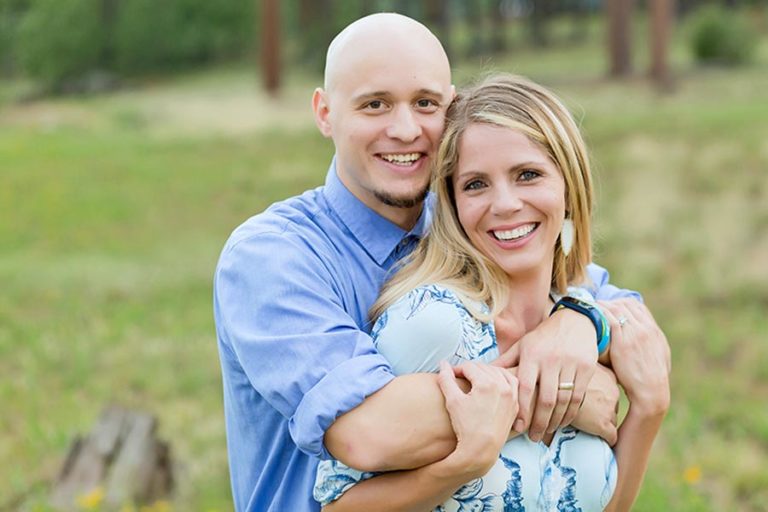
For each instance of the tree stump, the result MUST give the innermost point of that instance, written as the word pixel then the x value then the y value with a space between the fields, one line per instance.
pixel 120 462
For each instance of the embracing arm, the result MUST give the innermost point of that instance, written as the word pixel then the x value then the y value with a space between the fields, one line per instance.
pixel 563 348
pixel 641 360
pixel 481 418
pixel 404 425
pixel 632 451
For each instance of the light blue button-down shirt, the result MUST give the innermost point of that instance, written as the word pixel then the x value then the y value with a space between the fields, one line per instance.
pixel 291 296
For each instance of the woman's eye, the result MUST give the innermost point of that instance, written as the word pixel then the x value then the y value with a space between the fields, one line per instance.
pixel 473 185
pixel 528 175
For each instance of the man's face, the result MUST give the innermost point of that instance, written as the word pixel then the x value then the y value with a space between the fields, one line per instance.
pixel 385 113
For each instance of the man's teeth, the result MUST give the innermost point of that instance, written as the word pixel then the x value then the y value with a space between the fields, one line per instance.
pixel 401 159
pixel 514 234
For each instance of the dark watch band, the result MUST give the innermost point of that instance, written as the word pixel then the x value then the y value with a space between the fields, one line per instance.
pixel 592 312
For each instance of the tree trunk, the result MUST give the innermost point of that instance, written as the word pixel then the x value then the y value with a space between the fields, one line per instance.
pixel 498 28
pixel 120 463
pixel 661 13
pixel 619 36
pixel 270 45
pixel 437 14
pixel 542 11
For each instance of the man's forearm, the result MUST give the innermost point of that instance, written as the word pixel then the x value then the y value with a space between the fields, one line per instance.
pixel 633 450
pixel 404 425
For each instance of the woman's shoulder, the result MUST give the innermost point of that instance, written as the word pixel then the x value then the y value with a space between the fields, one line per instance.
pixel 421 297
pixel 421 306
pixel 429 324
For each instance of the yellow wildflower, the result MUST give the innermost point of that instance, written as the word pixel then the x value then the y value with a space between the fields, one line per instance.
pixel 692 474
pixel 92 499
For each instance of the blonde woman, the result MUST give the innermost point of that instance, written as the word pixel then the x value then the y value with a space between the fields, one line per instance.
pixel 510 237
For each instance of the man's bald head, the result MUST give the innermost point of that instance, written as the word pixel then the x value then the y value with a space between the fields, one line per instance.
pixel 388 33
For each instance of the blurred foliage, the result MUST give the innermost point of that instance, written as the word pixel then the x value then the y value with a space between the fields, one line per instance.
pixel 58 44
pixel 59 41
pixel 113 210
pixel 151 35
pixel 10 12
pixel 722 36
pixel 68 46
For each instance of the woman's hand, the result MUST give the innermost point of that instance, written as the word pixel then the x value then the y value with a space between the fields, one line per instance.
pixel 561 349
pixel 481 418
pixel 640 355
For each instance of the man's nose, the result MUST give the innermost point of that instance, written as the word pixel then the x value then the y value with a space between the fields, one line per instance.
pixel 405 125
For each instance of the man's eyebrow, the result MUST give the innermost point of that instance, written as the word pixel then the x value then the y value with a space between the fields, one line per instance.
pixel 370 96
pixel 430 92
pixel 386 94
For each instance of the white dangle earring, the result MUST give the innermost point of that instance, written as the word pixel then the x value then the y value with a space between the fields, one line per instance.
pixel 566 236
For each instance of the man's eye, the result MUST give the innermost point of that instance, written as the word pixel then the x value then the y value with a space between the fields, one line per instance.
pixel 374 105
pixel 427 104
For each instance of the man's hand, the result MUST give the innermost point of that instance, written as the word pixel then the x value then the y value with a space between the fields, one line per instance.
pixel 640 355
pixel 598 414
pixel 562 349
pixel 481 418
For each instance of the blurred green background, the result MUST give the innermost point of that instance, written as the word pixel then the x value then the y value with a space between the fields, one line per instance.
pixel 136 134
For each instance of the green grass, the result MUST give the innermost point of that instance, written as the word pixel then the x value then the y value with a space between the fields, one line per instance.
pixel 113 210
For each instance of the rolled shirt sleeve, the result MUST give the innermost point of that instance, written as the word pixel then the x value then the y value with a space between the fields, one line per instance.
pixel 282 317
pixel 602 289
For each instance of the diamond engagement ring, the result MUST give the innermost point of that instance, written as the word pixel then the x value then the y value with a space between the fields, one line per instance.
pixel 622 320
pixel 565 386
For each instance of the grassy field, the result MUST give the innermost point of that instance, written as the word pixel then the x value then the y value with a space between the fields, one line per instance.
pixel 113 210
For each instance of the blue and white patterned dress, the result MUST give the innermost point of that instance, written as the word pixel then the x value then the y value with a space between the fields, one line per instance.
pixel 575 473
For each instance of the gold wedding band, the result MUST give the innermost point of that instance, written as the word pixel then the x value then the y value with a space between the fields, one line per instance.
pixel 565 386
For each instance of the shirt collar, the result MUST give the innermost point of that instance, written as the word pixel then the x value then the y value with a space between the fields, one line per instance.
pixel 378 236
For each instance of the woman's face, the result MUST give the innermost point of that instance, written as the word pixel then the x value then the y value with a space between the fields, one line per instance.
pixel 510 198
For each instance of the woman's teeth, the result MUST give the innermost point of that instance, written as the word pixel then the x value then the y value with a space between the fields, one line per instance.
pixel 514 234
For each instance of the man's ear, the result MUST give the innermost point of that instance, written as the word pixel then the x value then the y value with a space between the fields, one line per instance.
pixel 322 110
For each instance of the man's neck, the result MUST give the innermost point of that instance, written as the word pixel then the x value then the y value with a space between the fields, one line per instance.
pixel 405 218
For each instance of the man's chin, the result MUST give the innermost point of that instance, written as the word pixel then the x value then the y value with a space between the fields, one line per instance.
pixel 402 201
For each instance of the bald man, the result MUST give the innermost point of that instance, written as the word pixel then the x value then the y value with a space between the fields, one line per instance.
pixel 294 284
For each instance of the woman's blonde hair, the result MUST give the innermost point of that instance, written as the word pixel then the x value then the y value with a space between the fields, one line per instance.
pixel 446 255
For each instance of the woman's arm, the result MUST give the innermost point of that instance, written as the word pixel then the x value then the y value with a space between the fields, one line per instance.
pixel 641 361
pixel 412 490
pixel 481 419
